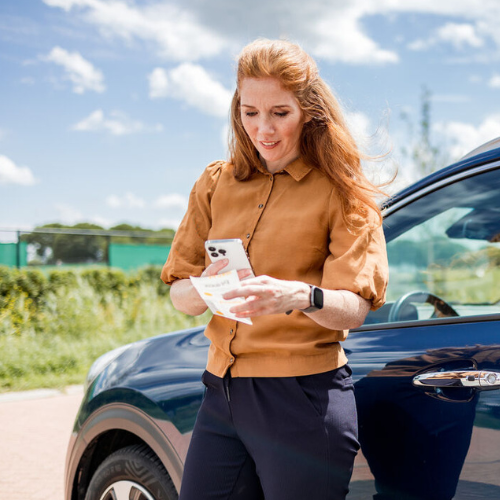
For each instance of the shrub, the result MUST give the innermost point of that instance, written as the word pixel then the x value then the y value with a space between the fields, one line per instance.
pixel 151 275
pixel 53 327
pixel 7 282
pixel 106 280
pixel 32 283
pixel 64 278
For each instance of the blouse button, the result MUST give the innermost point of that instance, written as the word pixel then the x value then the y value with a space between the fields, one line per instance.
pixel 261 205
pixel 231 360
pixel 231 331
pixel 248 235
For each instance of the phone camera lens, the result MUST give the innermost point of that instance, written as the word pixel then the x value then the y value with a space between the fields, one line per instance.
pixel 214 254
pixel 212 249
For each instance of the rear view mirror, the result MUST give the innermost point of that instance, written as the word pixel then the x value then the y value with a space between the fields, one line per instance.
pixel 477 225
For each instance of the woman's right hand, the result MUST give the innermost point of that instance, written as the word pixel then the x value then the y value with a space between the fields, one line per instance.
pixel 214 268
pixel 218 266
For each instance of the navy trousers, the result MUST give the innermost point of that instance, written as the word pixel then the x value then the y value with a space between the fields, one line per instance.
pixel 286 438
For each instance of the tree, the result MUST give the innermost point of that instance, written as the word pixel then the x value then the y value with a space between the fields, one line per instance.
pixel 422 151
pixel 74 248
pixel 71 248
pixel 68 248
pixel 161 237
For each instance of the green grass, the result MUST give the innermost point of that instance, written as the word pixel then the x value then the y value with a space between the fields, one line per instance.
pixel 52 329
pixel 54 343
pixel 463 285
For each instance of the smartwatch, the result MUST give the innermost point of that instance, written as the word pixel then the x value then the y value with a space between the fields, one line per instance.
pixel 316 300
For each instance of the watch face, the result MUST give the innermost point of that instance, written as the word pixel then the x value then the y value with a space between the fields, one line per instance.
pixel 316 300
pixel 317 297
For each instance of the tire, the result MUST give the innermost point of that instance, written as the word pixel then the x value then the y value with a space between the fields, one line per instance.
pixel 134 472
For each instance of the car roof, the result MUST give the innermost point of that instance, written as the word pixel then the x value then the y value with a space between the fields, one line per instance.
pixel 482 155
pixel 487 146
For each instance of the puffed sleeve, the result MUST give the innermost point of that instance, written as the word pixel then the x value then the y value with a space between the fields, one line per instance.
pixel 187 255
pixel 357 261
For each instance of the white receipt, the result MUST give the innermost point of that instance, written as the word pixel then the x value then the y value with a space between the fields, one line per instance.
pixel 211 289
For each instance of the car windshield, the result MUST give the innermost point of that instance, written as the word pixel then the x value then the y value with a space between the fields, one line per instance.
pixel 446 243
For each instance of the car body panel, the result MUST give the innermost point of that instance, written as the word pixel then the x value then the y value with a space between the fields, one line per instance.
pixel 417 442
pixel 159 434
pixel 425 439
pixel 140 394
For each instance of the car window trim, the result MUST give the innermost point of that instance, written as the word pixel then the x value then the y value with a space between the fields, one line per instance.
pixel 428 322
pixel 438 185
pixel 406 201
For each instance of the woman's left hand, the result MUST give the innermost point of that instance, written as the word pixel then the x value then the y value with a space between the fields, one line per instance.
pixel 266 295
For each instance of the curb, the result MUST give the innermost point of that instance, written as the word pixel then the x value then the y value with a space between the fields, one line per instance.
pixel 40 394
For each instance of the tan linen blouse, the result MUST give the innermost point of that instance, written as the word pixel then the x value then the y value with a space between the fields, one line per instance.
pixel 292 228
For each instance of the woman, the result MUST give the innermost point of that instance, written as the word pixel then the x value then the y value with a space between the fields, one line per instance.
pixel 278 420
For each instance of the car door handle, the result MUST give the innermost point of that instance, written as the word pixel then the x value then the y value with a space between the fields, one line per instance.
pixel 477 379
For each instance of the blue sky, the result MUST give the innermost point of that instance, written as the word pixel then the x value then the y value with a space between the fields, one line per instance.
pixel 110 109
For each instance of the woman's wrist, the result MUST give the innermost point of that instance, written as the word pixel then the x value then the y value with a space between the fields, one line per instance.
pixel 186 299
pixel 302 296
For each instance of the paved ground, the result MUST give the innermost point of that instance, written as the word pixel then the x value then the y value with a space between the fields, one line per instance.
pixel 35 427
pixel 34 432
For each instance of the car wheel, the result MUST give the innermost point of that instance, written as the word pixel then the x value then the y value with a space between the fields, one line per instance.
pixel 132 473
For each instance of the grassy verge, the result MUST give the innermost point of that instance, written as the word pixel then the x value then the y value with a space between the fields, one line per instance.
pixel 53 343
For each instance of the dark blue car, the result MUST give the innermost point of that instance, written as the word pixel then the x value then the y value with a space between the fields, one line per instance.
pixel 426 366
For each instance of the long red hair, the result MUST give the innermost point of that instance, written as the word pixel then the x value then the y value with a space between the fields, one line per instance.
pixel 325 143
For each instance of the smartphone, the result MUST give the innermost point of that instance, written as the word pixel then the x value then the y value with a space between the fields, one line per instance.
pixel 229 249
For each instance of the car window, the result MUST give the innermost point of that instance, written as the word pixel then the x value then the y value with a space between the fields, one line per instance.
pixel 444 253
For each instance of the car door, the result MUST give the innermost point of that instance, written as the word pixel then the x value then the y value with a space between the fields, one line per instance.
pixel 425 365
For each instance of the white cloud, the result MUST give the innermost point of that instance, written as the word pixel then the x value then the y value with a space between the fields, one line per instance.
pixel 82 73
pixel 371 139
pixel 171 201
pixel 113 201
pixel 224 137
pixel 454 98
pixel 68 214
pixel 193 85
pixel 101 221
pixel 158 83
pixel 420 44
pixel 11 228
pixel 332 30
pixel 374 142
pixel 494 81
pixel 128 200
pixel 174 206
pixel 336 35
pixel 458 35
pixel 10 173
pixel 134 201
pixel 172 223
pixel 176 32
pixel 118 123
pixel 464 137
pixel 359 126
pixel 27 80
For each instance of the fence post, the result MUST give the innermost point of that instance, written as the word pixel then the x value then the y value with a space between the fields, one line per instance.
pixel 18 250
pixel 108 240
